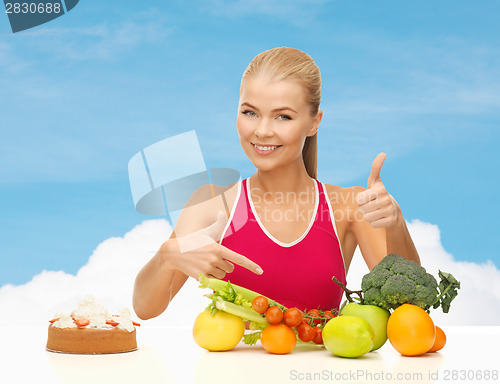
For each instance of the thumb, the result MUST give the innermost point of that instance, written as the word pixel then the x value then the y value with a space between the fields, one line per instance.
pixel 376 167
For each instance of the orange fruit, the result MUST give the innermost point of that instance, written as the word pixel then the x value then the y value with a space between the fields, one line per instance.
pixel 440 340
pixel 278 338
pixel 410 330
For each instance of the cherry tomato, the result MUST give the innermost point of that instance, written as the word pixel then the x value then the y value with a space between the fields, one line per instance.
pixel 293 317
pixel 306 332
pixel 274 315
pixel 318 337
pixel 260 304
pixel 316 318
pixel 328 315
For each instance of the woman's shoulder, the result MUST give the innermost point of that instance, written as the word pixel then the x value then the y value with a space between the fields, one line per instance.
pixel 204 205
pixel 342 196
pixel 209 194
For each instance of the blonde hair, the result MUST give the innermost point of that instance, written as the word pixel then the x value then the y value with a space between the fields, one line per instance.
pixel 285 63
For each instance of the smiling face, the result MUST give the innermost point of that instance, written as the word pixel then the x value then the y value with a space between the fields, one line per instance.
pixel 274 119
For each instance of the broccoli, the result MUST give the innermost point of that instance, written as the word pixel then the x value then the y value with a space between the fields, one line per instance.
pixel 396 280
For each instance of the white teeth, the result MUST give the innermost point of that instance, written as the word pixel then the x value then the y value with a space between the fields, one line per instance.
pixel 265 148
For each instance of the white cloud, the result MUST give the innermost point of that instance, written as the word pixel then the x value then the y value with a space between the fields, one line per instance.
pixel 108 275
pixel 110 272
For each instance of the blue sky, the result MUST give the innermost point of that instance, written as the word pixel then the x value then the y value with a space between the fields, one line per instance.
pixel 82 94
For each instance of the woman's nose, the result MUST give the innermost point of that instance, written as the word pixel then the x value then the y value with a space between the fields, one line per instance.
pixel 264 128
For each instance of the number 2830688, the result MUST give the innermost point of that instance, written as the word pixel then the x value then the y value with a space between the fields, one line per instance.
pixel 33 8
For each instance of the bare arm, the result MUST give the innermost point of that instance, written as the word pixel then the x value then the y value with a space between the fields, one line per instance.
pixel 156 284
pixel 377 242
pixel 377 224
pixel 160 279
pixel 399 240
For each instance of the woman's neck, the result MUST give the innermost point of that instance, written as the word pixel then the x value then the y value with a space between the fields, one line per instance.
pixel 293 179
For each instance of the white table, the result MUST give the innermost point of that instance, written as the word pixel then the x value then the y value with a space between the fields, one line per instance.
pixel 169 355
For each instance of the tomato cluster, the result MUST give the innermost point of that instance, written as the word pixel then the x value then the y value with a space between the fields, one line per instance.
pixel 311 326
pixel 307 326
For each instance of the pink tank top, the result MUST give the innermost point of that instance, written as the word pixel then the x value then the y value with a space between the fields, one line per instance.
pixel 297 274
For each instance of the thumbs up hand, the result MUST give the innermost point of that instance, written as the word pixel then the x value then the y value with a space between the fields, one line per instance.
pixel 377 206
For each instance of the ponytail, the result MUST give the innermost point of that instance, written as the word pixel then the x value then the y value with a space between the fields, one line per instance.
pixel 310 155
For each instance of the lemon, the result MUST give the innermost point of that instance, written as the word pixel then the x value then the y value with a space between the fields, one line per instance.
pixel 219 332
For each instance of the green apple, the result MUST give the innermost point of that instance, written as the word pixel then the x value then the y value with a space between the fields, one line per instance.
pixel 348 336
pixel 376 316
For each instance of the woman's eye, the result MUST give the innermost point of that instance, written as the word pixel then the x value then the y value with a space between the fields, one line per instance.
pixel 249 113
pixel 284 117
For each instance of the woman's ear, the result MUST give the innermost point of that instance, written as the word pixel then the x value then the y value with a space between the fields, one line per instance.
pixel 316 123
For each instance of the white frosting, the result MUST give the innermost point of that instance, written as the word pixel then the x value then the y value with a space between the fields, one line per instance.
pixel 89 309
pixel 125 320
pixel 65 321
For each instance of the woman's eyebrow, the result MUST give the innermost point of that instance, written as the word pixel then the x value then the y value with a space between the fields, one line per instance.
pixel 284 109
pixel 245 104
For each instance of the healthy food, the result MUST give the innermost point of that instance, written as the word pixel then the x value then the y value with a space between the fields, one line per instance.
pixel 305 332
pixel 260 304
pixel 377 317
pixel 318 335
pixel 411 330
pixel 267 318
pixel 393 304
pixel 274 315
pixel 403 287
pixel 348 336
pixel 220 331
pixel 440 341
pixel 293 317
pixel 395 281
pixel 278 339
pixel 234 299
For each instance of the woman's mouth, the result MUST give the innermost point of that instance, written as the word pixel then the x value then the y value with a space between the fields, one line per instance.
pixel 265 149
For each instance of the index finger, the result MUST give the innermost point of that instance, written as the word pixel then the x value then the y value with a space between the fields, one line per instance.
pixel 366 196
pixel 241 260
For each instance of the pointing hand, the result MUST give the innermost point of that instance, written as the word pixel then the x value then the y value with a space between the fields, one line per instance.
pixel 200 251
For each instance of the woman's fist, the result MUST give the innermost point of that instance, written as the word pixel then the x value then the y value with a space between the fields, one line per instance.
pixel 377 206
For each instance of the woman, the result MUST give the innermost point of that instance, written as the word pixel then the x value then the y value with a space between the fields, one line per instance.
pixel 280 232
